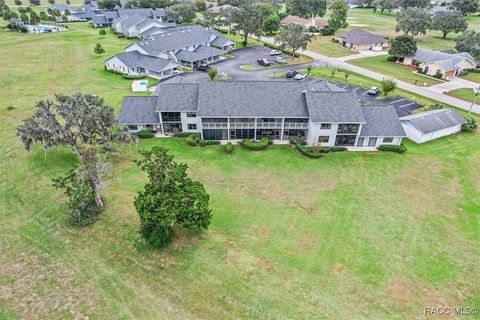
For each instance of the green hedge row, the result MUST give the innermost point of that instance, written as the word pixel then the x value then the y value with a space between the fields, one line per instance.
pixel 252 145
pixel 392 148
pixel 300 146
pixel 144 134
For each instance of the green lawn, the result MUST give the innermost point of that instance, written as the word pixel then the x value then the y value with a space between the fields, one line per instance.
pixel 466 94
pixel 381 65
pixel 348 236
pixel 324 45
pixel 472 76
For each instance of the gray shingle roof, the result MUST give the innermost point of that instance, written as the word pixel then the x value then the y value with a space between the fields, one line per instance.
pixel 178 97
pixel 435 120
pixel 179 39
pixel 138 110
pixel 359 37
pixel 134 59
pixel 329 106
pixel 446 61
pixel 252 99
pixel 200 53
pixel 222 42
pixel 132 20
pixel 381 122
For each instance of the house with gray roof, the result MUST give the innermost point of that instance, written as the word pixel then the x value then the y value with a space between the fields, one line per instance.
pixel 133 25
pixel 431 125
pixel 106 18
pixel 362 40
pixel 191 45
pixel 317 112
pixel 443 64
pixel 133 63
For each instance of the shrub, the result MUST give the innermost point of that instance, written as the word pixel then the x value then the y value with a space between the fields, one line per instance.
pixel 392 148
pixel 313 29
pixel 470 126
pixel 434 106
pixel 120 35
pixel 228 148
pixel 144 134
pixel 338 149
pixel 438 75
pixel 132 77
pixel 252 145
pixel 392 59
pixel 23 29
pixel 179 134
pixel 191 140
pixel 327 31
pixel 212 142
pixel 309 152
pixel 203 143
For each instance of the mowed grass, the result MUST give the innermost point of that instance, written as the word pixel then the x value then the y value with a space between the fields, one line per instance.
pixel 381 65
pixel 324 45
pixel 352 235
pixel 472 76
pixel 466 94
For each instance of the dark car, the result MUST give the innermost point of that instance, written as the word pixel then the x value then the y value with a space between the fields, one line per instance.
pixel 263 62
pixel 203 68
pixel 291 74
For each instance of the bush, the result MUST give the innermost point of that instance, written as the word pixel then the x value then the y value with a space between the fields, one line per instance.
pixel 179 134
pixel 438 75
pixel 327 31
pixel 392 148
pixel 338 149
pixel 252 145
pixel 228 148
pixel 470 126
pixel 392 59
pixel 434 106
pixel 313 29
pixel 203 143
pixel 144 134
pixel 191 140
pixel 212 142
pixel 309 152
pixel 23 29
pixel 120 35
pixel 132 77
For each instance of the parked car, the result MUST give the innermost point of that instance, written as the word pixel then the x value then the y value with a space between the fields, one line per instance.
pixel 275 52
pixel 291 74
pixel 280 60
pixel 203 67
pixel 263 62
pixel 373 91
pixel 300 76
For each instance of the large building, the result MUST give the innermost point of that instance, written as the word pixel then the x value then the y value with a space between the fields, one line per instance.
pixel 318 112
pixel 106 18
pixel 191 46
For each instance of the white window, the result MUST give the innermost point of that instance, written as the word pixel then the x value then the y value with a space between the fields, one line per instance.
pixel 325 126
pixel 388 140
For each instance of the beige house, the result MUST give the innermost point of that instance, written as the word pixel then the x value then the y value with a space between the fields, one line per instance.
pixel 359 40
pixel 306 23
pixel 439 63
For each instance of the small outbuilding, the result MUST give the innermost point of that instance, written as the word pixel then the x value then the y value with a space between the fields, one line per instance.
pixel 431 125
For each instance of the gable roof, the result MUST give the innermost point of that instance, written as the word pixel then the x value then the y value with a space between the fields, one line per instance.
pixel 434 120
pixel 200 53
pixel 447 61
pixel 295 20
pixel 359 37
pixel 381 122
pixel 138 109
pixel 134 59
pixel 133 20
pixel 177 97
pixel 178 39
pixel 222 42
pixel 333 106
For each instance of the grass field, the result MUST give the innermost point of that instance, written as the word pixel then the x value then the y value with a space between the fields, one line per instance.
pixel 472 76
pixel 466 94
pixel 381 65
pixel 352 235
pixel 324 45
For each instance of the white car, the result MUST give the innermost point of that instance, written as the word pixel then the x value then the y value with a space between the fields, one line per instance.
pixel 300 76
pixel 373 91
pixel 280 60
pixel 275 52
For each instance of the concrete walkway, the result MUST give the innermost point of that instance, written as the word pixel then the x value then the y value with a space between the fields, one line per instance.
pixel 427 92
pixel 363 54
pixel 453 84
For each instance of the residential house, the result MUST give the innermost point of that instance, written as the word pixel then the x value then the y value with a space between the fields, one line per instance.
pixel 438 9
pixel 318 112
pixel 74 16
pixel 433 124
pixel 107 18
pixel 133 63
pixel 443 64
pixel 134 25
pixel 306 23
pixel 362 40
pixel 190 45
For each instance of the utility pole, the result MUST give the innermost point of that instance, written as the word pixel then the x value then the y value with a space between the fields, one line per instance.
pixel 476 91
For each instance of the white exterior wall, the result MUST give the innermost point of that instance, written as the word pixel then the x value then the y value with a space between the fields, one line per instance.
pixel 396 141
pixel 115 64
pixel 314 132
pixel 185 121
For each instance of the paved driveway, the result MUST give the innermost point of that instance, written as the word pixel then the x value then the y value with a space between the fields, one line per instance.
pixel 245 56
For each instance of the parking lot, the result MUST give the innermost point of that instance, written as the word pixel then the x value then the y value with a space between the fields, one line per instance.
pixel 402 105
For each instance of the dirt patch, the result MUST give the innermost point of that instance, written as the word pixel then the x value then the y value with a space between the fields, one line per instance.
pixel 35 290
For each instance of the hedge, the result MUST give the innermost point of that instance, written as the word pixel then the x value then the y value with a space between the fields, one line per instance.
pixel 288 52
pixel 129 77
pixel 203 143
pixel 392 148
pixel 252 145
pixel 144 134
pixel 308 152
